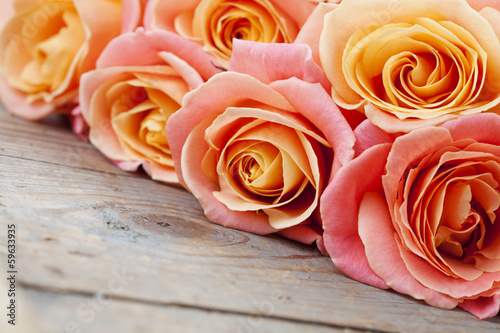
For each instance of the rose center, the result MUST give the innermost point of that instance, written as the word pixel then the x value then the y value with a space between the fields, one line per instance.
pixel 251 169
pixel 418 67
pixel 152 130
pixel 217 23
pixel 467 239
pixel 52 57
pixel 139 117
pixel 258 170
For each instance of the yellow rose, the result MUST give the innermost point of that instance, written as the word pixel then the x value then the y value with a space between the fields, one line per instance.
pixel 215 23
pixel 412 63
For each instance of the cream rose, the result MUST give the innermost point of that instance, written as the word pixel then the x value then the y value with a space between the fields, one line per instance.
pixel 140 81
pixel 215 23
pixel 46 46
pixel 412 63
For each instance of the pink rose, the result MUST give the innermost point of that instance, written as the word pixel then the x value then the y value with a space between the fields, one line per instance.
pixel 45 46
pixel 257 145
pixel 140 80
pixel 410 63
pixel 418 215
pixel 215 23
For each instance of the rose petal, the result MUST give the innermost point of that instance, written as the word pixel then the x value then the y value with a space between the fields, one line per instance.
pixel 301 233
pixel 78 124
pixel 407 150
pixel 158 172
pixel 93 97
pixel 132 12
pixel 143 48
pixel 169 11
pixel 435 280
pixel 383 254
pixel 318 108
pixel 6 12
pixel 271 62
pixel 491 13
pixel 480 4
pixel 130 166
pixel 299 10
pixel 311 31
pixel 483 307
pixel 99 31
pixel 481 127
pixel 339 212
pixel 15 102
pixel 368 135
pixel 188 73
pixel 393 124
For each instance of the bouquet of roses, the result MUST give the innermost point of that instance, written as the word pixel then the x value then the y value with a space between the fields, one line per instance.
pixel 369 128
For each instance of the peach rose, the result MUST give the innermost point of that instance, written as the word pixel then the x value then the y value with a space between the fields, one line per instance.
pixel 45 46
pixel 410 63
pixel 255 144
pixel 418 214
pixel 138 84
pixel 215 23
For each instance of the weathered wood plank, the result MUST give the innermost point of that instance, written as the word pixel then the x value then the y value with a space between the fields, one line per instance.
pixel 83 223
pixel 48 141
pixel 98 313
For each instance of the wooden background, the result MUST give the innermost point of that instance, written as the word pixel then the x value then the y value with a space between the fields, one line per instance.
pixel 101 250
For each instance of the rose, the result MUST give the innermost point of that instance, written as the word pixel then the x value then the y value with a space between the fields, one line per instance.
pixel 215 23
pixel 408 64
pixel 45 46
pixel 419 215
pixel 417 63
pixel 139 82
pixel 255 144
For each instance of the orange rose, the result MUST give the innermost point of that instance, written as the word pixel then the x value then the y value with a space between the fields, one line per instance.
pixel 46 46
pixel 411 63
pixel 214 23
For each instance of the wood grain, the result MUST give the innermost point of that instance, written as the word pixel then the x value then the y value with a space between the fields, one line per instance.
pixel 86 228
pixel 100 314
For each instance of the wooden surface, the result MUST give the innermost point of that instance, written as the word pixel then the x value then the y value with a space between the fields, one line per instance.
pixel 101 250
